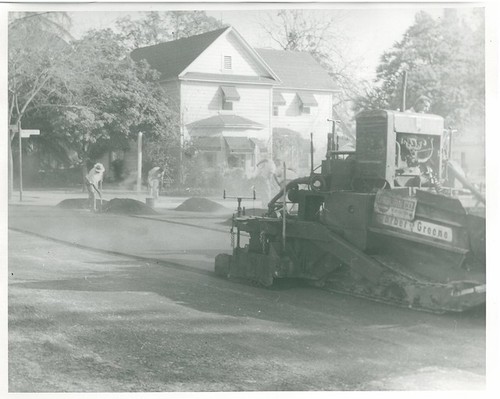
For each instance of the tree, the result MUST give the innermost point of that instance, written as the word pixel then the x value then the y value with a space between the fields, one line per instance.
pixel 157 27
pixel 163 151
pixel 107 99
pixel 445 61
pixel 36 51
pixel 321 35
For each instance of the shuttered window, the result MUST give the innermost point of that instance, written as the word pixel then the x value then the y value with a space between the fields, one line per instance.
pixel 228 62
pixel 307 99
pixel 278 99
pixel 227 105
pixel 230 93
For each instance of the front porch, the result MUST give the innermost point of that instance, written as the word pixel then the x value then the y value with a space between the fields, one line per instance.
pixel 228 142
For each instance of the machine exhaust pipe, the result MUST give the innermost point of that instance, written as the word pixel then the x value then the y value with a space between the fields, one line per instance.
pixel 403 91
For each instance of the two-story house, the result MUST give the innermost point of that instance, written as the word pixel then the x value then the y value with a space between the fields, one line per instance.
pixel 232 98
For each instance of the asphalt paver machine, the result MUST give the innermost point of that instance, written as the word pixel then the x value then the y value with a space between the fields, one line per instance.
pixel 381 222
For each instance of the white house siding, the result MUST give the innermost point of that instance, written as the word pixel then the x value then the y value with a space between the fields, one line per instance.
pixel 201 100
pixel 211 61
pixel 316 122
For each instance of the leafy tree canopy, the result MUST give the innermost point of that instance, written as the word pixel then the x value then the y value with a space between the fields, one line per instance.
pixel 37 52
pixel 322 35
pixel 444 59
pixel 103 99
pixel 87 96
pixel 157 27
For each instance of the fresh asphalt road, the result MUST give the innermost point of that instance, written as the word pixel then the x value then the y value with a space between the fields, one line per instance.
pixel 82 320
pixel 144 237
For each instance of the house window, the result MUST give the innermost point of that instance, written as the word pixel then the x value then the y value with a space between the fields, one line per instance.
pixel 227 105
pixel 236 160
pixel 276 110
pixel 306 101
pixel 229 95
pixel 305 110
pixel 228 62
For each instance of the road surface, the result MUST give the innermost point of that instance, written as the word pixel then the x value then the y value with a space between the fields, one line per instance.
pixel 111 303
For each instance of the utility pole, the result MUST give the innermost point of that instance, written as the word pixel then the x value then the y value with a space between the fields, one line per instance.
pixel 283 231
pixel 12 132
pixel 312 154
pixel 181 157
pixel 20 161
pixel 139 162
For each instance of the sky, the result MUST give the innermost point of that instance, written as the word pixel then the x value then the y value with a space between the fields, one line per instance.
pixel 369 29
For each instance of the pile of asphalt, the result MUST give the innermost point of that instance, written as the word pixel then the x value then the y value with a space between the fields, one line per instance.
pixel 123 206
pixel 199 204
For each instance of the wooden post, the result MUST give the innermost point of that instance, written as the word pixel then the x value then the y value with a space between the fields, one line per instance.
pixel 181 157
pixel 284 206
pixel 20 162
pixel 139 162
pixel 312 154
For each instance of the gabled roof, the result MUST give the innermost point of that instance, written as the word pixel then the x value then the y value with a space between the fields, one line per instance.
pixel 171 58
pixel 297 70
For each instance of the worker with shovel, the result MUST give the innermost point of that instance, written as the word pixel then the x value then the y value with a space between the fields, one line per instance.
pixel 92 180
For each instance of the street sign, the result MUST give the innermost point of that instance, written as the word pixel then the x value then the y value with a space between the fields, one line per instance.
pixel 29 132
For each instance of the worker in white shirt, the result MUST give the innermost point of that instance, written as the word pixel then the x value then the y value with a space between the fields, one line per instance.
pixel 92 180
pixel 155 178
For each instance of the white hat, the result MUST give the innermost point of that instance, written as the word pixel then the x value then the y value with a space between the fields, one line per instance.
pixel 99 167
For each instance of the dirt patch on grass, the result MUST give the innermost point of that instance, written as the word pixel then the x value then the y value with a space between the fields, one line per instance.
pixel 199 204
